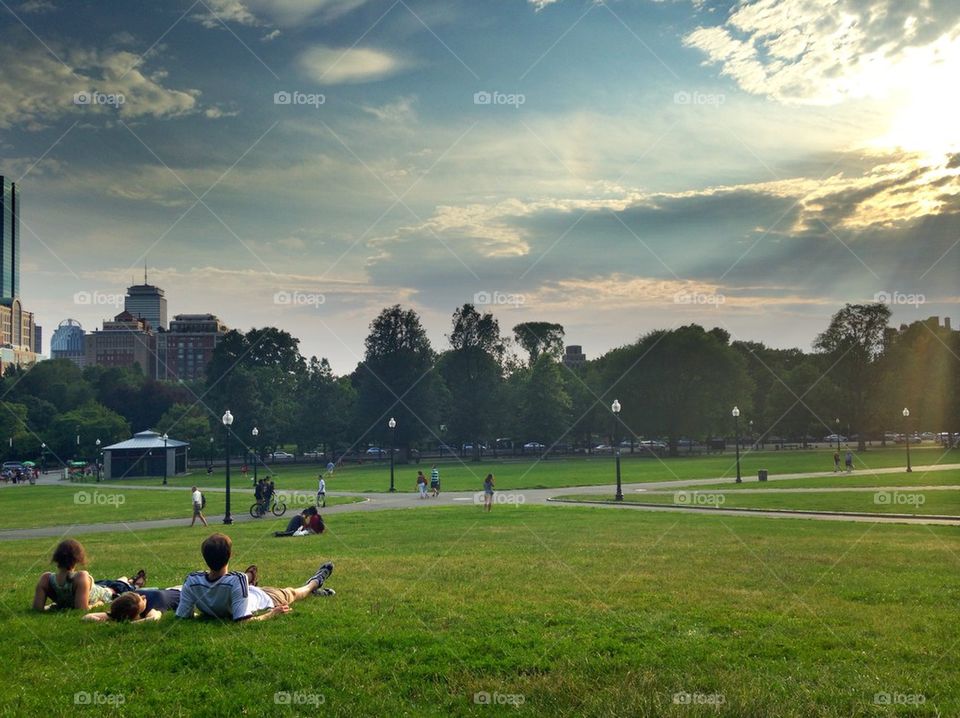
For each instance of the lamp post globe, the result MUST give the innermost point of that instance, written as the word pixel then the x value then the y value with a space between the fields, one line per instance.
pixel 615 410
pixel 735 413
pixel 227 420
pixel 392 425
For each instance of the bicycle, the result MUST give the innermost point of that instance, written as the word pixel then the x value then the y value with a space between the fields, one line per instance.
pixel 277 507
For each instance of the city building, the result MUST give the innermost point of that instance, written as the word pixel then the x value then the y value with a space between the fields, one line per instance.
pixel 185 349
pixel 68 342
pixel 145 301
pixel 127 341
pixel 18 334
pixel 573 356
pixel 37 339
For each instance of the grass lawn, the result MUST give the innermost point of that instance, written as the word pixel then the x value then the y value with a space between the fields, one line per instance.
pixel 950 477
pixel 883 501
pixel 553 473
pixel 69 504
pixel 571 610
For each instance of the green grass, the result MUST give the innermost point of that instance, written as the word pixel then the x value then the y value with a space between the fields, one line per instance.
pixel 553 473
pixel 69 504
pixel 581 611
pixel 949 477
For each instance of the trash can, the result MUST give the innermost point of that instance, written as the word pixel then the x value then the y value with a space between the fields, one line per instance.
pixel 762 474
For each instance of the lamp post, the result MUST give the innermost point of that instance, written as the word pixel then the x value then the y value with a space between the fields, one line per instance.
pixel 43 457
pixel 165 438
pixel 97 459
pixel 256 453
pixel 736 430
pixel 838 434
pixel 906 428
pixel 210 454
pixel 393 433
pixel 227 420
pixel 615 408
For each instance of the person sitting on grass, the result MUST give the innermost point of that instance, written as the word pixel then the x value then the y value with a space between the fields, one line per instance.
pixel 145 604
pixel 225 594
pixel 305 523
pixel 69 588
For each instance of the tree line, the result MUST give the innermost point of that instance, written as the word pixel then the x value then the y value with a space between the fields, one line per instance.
pixel 676 385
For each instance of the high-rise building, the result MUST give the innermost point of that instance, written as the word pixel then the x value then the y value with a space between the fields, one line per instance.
pixel 68 342
pixel 184 350
pixel 9 239
pixel 573 356
pixel 18 340
pixel 125 342
pixel 145 301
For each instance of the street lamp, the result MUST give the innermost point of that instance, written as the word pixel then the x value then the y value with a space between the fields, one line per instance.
pixel 736 430
pixel 906 421
pixel 393 433
pixel 210 454
pixel 97 459
pixel 43 457
pixel 256 453
pixel 165 437
pixel 227 421
pixel 615 408
pixel 838 434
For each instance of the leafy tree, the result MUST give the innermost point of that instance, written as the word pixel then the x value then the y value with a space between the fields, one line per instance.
pixel 90 422
pixel 190 423
pixel 545 405
pixel 853 344
pixel 538 338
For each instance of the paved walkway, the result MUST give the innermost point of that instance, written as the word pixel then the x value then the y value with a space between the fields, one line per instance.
pixel 403 500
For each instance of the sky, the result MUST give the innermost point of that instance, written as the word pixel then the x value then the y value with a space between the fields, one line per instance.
pixel 615 166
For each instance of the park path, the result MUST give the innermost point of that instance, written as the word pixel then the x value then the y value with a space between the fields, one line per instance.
pixel 405 500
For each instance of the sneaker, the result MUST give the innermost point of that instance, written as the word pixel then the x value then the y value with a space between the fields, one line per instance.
pixel 253 574
pixel 324 592
pixel 322 575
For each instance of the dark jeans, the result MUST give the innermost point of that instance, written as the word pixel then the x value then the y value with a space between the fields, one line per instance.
pixel 117 587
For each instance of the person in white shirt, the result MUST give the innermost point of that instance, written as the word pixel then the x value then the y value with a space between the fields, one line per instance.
pixel 225 594
pixel 322 492
pixel 198 507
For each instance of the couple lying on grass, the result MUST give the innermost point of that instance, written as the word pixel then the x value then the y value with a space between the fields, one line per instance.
pixel 218 593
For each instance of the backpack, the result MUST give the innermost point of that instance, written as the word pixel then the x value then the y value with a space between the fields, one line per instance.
pixel 203 501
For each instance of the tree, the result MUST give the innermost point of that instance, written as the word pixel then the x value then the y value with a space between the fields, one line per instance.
pixel 538 338
pixel 187 422
pixel 473 374
pixel 90 422
pixel 545 405
pixel 397 379
pixel 853 344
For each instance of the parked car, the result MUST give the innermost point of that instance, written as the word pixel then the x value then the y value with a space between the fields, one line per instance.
pixel 312 454
pixel 834 438
pixel 928 436
pixel 602 449
pixel 377 452
pixel 281 456
pixel 534 445
pixel 653 444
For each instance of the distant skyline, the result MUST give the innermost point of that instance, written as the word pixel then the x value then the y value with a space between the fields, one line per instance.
pixel 615 167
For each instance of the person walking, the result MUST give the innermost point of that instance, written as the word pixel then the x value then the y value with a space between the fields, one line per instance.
pixel 422 484
pixel 848 460
pixel 435 481
pixel 836 461
pixel 198 502
pixel 488 493
pixel 322 492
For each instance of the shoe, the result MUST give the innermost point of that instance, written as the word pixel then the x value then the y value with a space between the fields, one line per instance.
pixel 323 592
pixel 322 575
pixel 140 580
pixel 253 574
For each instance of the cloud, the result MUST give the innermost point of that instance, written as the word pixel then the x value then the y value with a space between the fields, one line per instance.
pixel 822 52
pixel 398 112
pixel 334 66
pixel 285 13
pixel 37 6
pixel 270 36
pixel 37 88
